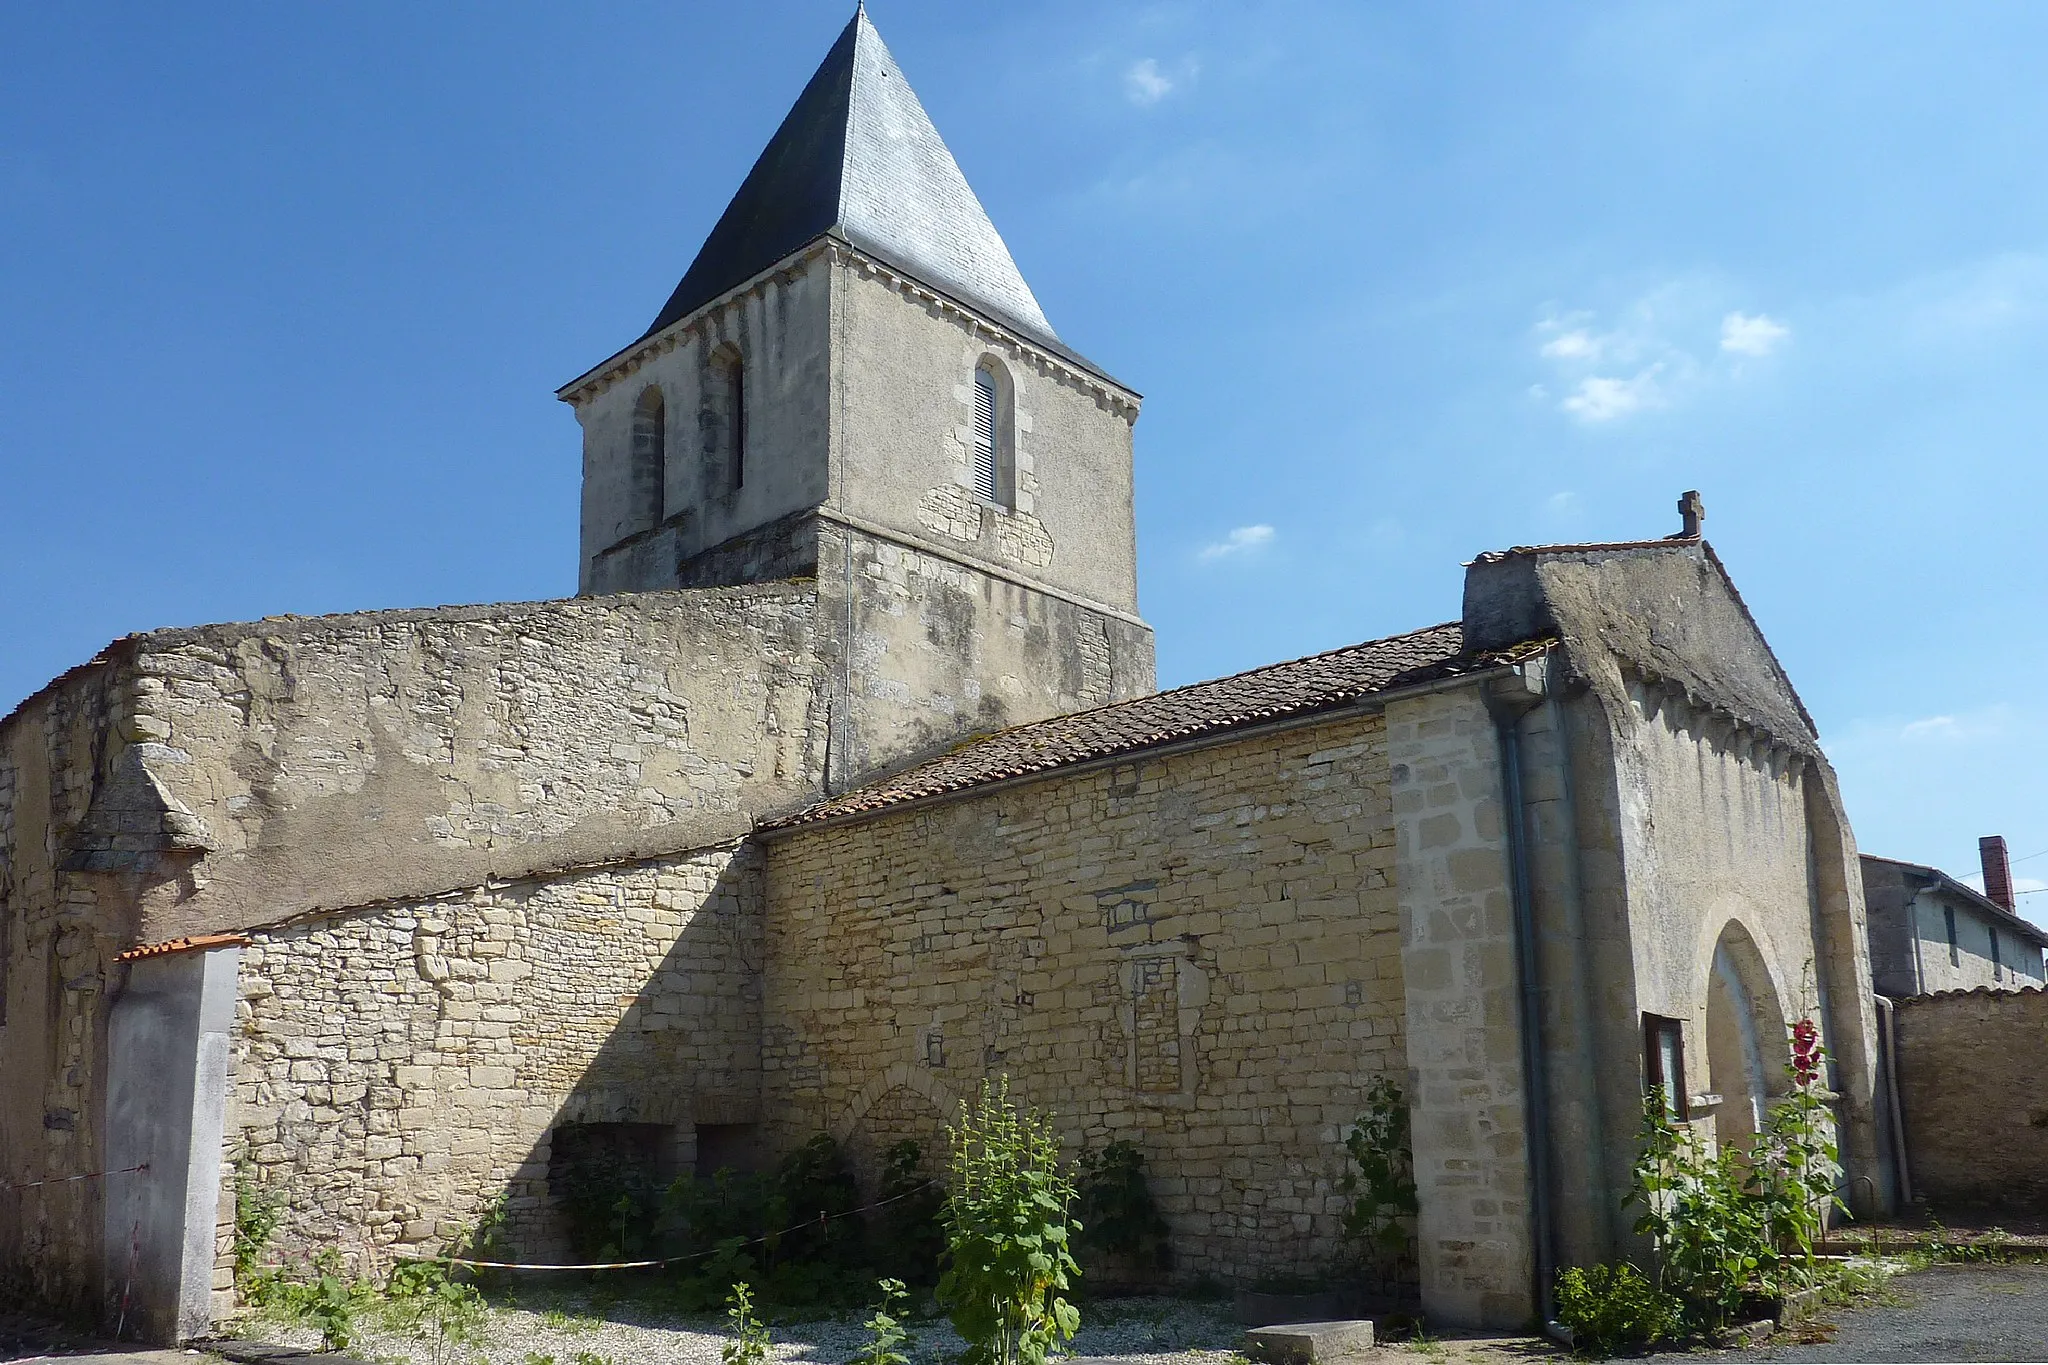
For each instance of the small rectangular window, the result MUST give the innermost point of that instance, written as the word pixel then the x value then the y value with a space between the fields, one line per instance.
pixel 727 1147
pixel 1955 956
pixel 1997 965
pixel 1664 1062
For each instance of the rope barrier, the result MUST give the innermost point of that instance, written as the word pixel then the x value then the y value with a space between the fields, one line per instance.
pixel 822 1219
pixel 67 1179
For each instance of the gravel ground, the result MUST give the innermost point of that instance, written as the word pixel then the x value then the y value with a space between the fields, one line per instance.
pixel 1136 1331
pixel 1957 1312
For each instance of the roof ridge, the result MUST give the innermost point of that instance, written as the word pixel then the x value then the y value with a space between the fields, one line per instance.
pixel 857 157
pixel 1218 707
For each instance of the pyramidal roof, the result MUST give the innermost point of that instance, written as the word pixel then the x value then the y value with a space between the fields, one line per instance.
pixel 858 157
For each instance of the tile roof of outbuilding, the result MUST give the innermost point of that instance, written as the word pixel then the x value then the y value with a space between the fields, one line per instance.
pixel 1298 687
pixel 2011 919
pixel 193 943
pixel 857 158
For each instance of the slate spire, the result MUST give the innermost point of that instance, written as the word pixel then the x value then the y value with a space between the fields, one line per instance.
pixel 858 157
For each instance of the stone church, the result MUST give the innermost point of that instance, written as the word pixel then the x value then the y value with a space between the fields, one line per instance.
pixel 843 784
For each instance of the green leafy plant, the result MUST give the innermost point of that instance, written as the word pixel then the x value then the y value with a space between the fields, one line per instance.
pixel 886 1335
pixel 1712 1240
pixel 749 1342
pixel 1008 1232
pixel 258 1211
pixel 445 1315
pixel 1734 1224
pixel 1118 1216
pixel 1612 1308
pixel 328 1302
pixel 1379 1217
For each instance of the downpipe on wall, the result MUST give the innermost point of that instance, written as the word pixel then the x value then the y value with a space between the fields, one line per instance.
pixel 1509 697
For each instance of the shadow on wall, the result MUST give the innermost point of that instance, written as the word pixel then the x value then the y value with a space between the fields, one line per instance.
pixel 670 1080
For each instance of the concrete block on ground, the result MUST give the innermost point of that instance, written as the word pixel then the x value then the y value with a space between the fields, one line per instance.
pixel 1310 1343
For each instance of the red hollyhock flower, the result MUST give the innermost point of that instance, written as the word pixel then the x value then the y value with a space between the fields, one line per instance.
pixel 1805 1052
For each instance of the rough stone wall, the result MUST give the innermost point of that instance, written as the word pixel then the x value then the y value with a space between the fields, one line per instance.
pixel 780 330
pixel 60 929
pixel 1971 1086
pixel 1198 951
pixel 934 649
pixel 335 761
pixel 399 1067
pixel 1463 1027
pixel 903 429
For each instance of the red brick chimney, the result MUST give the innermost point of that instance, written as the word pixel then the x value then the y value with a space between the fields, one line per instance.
pixel 1997 870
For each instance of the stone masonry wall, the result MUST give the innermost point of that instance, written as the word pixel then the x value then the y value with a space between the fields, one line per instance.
pixel 1199 952
pixel 60 929
pixel 398 1068
pixel 1971 1074
pixel 1463 1025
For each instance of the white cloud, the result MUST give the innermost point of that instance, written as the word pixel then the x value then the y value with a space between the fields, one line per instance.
pixel 1577 344
pixel 1241 541
pixel 1667 346
pixel 1602 398
pixel 1145 83
pixel 1985 724
pixel 1747 334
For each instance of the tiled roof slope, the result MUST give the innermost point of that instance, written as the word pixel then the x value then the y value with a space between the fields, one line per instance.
pixel 1295 688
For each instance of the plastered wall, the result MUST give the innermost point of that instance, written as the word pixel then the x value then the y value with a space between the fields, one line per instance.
pixel 334 761
pixel 1197 952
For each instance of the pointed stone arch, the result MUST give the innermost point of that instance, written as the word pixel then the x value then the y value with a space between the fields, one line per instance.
pixel 904 1101
pixel 1746 1033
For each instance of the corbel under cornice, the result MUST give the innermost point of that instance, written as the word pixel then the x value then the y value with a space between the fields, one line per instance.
pixel 837 251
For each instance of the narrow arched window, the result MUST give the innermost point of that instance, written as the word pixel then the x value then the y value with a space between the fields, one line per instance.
pixel 736 383
pixel 649 461
pixel 987 445
pixel 993 454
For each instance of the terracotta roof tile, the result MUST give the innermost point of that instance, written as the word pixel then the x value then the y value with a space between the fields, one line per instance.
pixel 183 945
pixel 1275 691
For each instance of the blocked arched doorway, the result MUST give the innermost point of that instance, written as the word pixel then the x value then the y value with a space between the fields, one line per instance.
pixel 1746 1039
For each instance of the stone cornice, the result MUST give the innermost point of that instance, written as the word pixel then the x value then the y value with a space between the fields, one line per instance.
pixel 1120 400
pixel 837 251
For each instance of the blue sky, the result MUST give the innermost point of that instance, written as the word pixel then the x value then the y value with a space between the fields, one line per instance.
pixel 287 289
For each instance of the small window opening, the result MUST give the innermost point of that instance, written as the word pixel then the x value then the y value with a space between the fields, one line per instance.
pixel 1997 963
pixel 727 1147
pixel 986 442
pixel 1955 955
pixel 649 461
pixel 595 1167
pixel 737 379
pixel 1664 1062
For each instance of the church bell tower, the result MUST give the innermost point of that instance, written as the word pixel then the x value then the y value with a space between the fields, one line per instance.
pixel 852 385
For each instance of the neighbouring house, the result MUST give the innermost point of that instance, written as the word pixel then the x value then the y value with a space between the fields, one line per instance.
pixel 844 785
pixel 1930 932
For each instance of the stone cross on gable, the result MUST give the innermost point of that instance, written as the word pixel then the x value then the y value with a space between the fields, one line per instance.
pixel 1693 513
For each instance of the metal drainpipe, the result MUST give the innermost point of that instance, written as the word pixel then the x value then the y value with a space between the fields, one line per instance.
pixel 1585 1052
pixel 1888 1035
pixel 1535 1080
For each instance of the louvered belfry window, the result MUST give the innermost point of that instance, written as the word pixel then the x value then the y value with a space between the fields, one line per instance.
pixel 985 435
